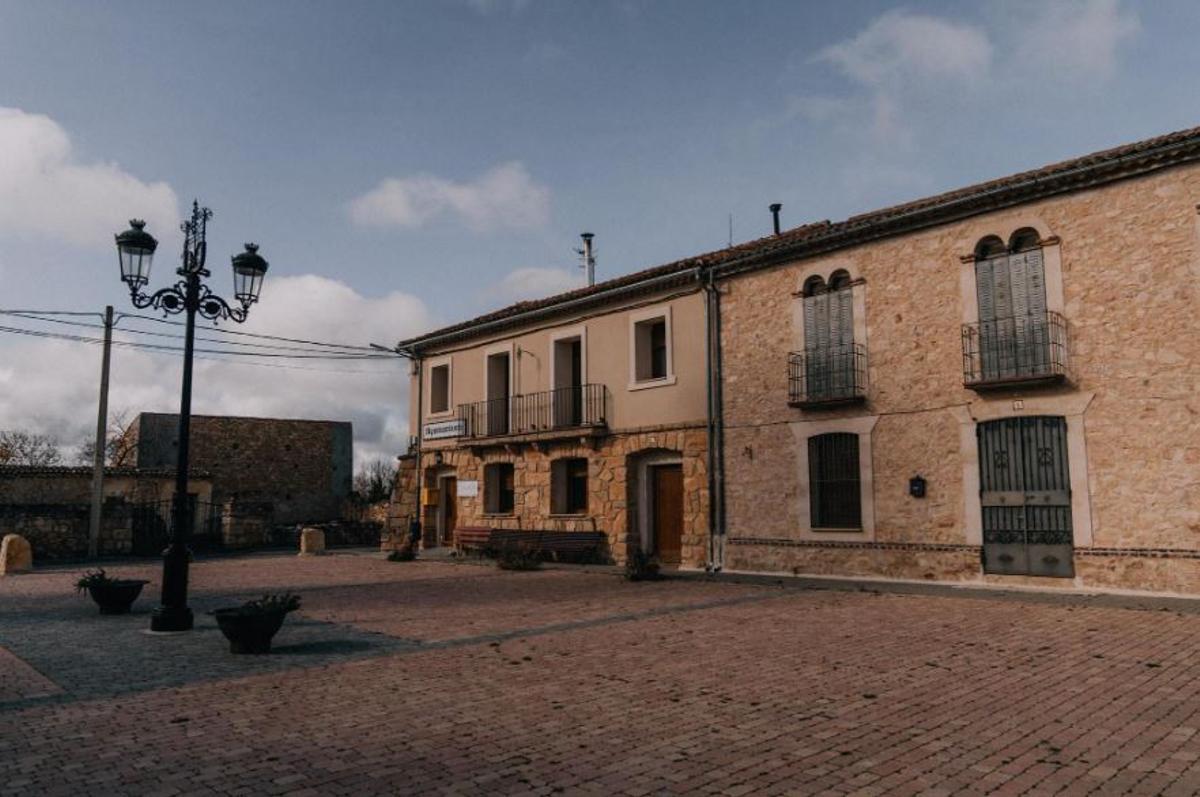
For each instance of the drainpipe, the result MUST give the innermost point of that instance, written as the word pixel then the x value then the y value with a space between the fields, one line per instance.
pixel 414 527
pixel 715 426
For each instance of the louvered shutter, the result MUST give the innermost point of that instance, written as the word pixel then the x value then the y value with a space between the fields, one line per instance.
pixel 1037 328
pixel 985 289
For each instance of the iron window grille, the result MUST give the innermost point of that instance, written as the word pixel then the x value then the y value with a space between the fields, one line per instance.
pixel 830 375
pixel 1015 350
pixel 835 495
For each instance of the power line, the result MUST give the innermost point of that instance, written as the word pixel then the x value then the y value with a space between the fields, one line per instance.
pixel 216 356
pixel 168 335
pixel 157 347
pixel 220 330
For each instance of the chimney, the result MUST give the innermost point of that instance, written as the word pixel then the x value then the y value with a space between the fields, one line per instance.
pixel 775 208
pixel 589 259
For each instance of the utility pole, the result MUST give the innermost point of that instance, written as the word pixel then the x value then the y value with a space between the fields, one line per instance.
pixel 101 439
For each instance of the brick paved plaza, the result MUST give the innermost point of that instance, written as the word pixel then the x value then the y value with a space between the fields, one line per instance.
pixel 431 677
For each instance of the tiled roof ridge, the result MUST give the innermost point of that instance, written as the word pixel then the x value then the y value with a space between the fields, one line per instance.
pixel 1088 170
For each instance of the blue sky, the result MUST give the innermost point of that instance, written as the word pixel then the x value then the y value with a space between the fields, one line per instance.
pixel 409 164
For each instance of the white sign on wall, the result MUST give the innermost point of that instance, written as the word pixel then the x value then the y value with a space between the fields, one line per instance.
pixel 443 429
pixel 468 489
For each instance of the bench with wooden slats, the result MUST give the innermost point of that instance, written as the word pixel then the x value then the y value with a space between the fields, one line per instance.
pixel 555 545
pixel 472 538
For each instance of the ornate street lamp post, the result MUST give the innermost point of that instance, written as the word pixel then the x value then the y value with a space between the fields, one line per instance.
pixel 135 248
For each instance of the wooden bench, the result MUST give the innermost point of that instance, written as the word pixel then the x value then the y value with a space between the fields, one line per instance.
pixel 556 545
pixel 472 538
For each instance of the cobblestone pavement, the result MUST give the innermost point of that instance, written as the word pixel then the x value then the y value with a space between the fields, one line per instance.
pixel 424 678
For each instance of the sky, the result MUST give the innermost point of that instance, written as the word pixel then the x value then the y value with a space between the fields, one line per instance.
pixel 405 165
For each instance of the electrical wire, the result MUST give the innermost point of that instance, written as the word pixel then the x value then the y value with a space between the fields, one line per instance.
pixel 148 333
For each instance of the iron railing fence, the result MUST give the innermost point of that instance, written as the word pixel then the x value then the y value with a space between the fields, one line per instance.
pixel 829 375
pixel 573 407
pixel 151 525
pixel 1018 349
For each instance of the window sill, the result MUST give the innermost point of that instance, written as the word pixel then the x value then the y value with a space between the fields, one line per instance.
pixel 570 515
pixel 651 383
pixel 835 530
pixel 499 515
pixel 445 415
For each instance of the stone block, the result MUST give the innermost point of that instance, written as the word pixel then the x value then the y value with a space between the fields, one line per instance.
pixel 312 542
pixel 15 555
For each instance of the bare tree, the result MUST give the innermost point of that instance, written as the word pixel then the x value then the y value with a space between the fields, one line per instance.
pixel 373 482
pixel 28 448
pixel 118 448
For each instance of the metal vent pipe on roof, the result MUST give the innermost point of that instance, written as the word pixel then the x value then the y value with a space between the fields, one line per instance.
pixel 589 260
pixel 775 208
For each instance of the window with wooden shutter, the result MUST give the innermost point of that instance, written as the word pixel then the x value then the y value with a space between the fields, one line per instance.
pixel 830 355
pixel 569 486
pixel 835 492
pixel 498 492
pixel 1013 334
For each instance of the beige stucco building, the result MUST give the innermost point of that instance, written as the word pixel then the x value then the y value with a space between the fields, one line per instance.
pixel 584 412
pixel 997 384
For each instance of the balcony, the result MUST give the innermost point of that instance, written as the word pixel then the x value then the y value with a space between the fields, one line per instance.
pixel 552 413
pixel 827 377
pixel 1015 352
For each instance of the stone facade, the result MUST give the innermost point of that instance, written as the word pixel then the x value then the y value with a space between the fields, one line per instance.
pixel 1128 263
pixel 613 487
pixel 303 468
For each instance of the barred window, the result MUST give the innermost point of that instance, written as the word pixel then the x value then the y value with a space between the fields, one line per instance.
pixel 569 486
pixel 833 478
pixel 498 492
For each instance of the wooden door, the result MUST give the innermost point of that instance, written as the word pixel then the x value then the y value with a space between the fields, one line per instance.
pixel 449 509
pixel 668 513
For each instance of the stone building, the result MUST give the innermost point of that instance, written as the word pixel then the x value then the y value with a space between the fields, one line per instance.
pixel 995 384
pixel 302 469
pixel 998 383
pixel 583 412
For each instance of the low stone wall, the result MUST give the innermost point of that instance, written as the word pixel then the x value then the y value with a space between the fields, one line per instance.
pixel 60 531
pixel 896 560
pixel 1141 569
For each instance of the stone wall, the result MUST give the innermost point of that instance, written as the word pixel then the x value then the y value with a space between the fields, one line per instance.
pixel 303 468
pixel 60 531
pixel 1130 282
pixel 402 507
pixel 612 489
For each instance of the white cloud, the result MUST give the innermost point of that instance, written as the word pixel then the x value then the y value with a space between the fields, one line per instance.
pixel 537 283
pixel 50 386
pixel 900 46
pixel 1076 39
pixel 503 197
pixel 46 192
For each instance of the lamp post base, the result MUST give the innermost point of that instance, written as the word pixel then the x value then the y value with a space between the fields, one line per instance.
pixel 168 618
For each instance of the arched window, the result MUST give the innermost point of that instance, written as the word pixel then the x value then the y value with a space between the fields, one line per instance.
pixel 1010 285
pixel 835 490
pixel 1024 239
pixel 988 247
pixel 813 286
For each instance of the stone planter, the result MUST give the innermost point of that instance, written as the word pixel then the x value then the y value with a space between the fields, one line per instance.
pixel 117 596
pixel 249 631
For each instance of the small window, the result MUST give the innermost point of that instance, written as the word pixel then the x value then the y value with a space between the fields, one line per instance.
pixel 569 486
pixel 833 479
pixel 439 388
pixel 498 490
pixel 651 349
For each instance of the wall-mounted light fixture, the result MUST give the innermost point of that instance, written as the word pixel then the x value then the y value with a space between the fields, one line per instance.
pixel 916 486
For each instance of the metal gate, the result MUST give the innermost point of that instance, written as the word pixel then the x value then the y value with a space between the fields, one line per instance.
pixel 1025 493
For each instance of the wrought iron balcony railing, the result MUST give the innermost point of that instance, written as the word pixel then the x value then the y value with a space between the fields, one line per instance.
pixel 564 409
pixel 1013 351
pixel 827 376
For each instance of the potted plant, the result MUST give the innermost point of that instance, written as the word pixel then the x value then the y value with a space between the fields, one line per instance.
pixel 112 595
pixel 250 627
pixel 641 566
